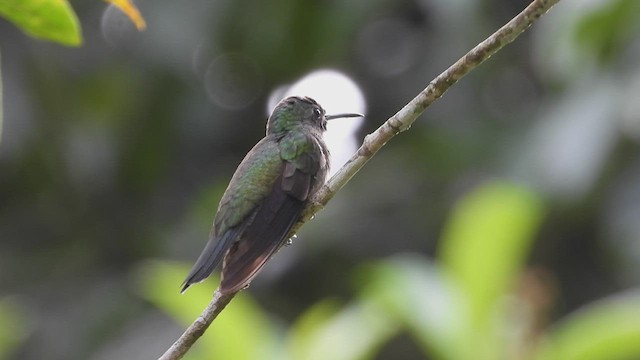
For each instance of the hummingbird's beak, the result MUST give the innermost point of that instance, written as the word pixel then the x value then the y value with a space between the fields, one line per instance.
pixel 338 116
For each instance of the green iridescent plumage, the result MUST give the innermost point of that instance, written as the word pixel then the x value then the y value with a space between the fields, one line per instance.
pixel 252 181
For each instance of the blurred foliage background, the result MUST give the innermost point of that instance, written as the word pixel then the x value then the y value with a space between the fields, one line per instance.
pixel 504 225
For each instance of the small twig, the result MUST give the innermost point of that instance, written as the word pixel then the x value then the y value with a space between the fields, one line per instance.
pixel 403 119
pixel 373 142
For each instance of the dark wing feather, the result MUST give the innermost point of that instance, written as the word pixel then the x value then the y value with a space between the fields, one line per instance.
pixel 261 239
pixel 295 182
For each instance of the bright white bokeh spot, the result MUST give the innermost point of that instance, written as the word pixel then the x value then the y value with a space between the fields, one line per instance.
pixel 336 93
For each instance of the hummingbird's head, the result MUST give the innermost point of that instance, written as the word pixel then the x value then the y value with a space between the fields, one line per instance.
pixel 296 111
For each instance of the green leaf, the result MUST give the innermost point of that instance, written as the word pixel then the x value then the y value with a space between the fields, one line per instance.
pixel 303 332
pixel 608 329
pixel 52 20
pixel 412 290
pixel 241 331
pixel 353 333
pixel 485 244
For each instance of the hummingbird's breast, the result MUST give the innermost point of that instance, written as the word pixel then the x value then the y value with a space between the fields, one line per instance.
pixel 324 162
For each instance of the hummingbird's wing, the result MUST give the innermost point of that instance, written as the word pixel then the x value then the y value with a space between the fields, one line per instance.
pixel 303 172
pixel 252 181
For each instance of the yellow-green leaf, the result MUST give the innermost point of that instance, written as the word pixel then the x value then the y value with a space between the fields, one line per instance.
pixel 487 240
pixel 608 329
pixel 413 291
pixel 355 332
pixel 484 247
pixel 52 20
pixel 242 331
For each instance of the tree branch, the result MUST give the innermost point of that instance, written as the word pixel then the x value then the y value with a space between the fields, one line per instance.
pixel 198 327
pixel 373 142
pixel 403 119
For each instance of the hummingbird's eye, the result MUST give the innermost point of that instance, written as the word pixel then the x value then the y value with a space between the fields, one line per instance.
pixel 317 113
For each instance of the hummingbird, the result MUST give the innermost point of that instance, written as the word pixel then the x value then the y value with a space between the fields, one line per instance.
pixel 267 194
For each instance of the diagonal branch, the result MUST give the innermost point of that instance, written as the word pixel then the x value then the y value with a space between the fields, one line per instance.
pixel 198 327
pixel 373 142
pixel 403 119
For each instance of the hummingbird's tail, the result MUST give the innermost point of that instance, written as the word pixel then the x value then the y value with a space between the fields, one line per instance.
pixel 209 259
